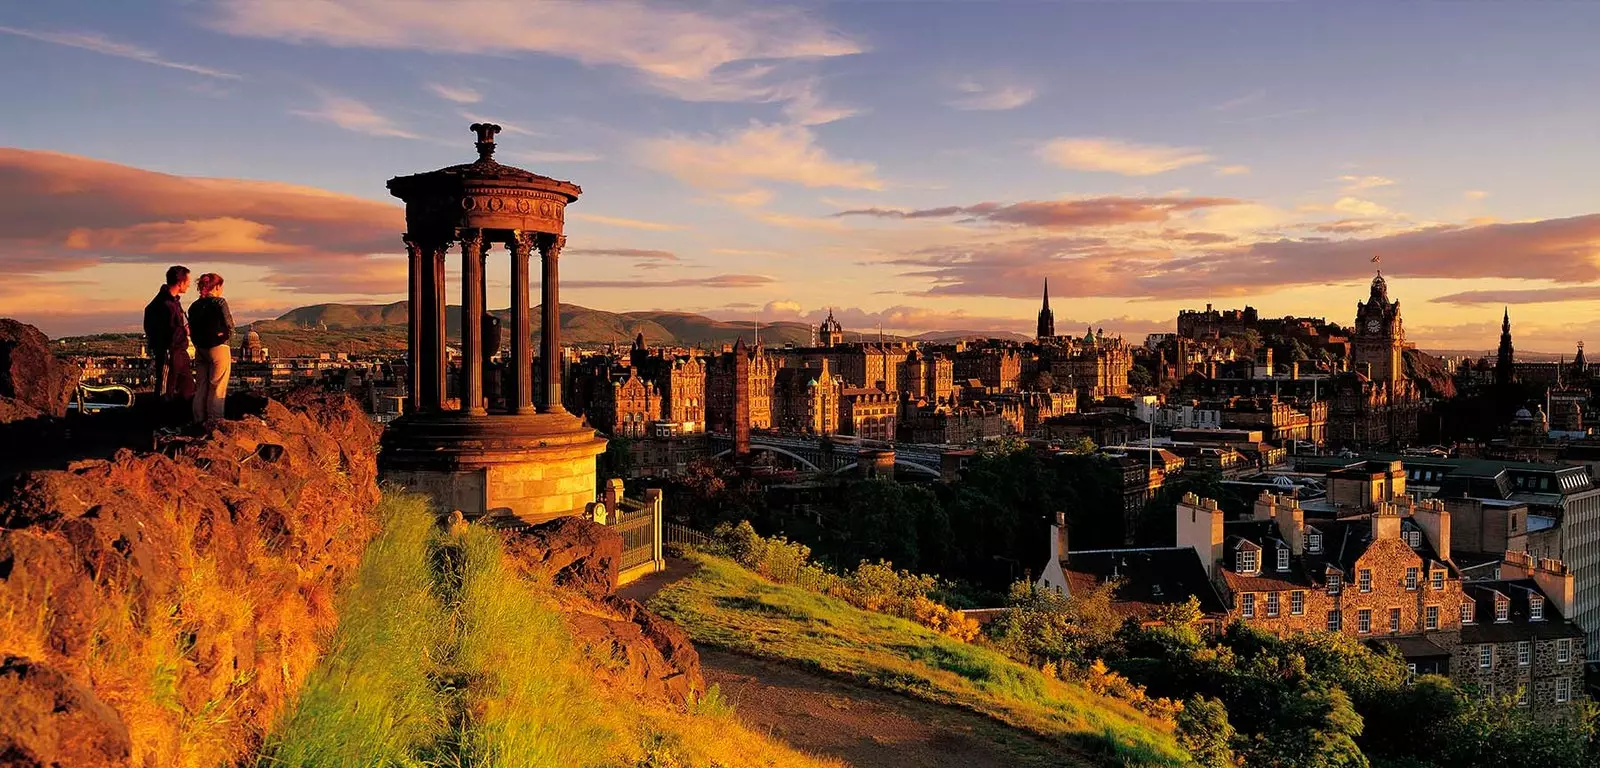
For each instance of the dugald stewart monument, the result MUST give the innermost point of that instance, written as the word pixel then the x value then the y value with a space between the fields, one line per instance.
pixel 524 456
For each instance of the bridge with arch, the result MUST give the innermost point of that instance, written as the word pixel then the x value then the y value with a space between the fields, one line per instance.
pixel 826 455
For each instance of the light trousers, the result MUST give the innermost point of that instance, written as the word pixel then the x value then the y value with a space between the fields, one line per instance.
pixel 211 379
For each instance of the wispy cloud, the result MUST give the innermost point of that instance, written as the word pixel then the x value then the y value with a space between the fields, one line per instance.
pixel 714 281
pixel 557 157
pixel 729 52
pixel 1231 170
pixel 616 221
pixel 1526 296
pixel 1358 183
pixel 1059 214
pixel 353 115
pixel 1475 194
pixel 990 93
pixel 98 43
pixel 1239 101
pixel 457 94
pixel 640 254
pixel 760 152
pixel 1117 156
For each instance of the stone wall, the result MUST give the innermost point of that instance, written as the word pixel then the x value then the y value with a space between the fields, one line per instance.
pixel 161 609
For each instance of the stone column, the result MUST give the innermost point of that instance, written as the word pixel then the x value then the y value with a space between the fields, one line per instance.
pixel 415 271
pixel 438 359
pixel 472 322
pixel 550 334
pixel 520 393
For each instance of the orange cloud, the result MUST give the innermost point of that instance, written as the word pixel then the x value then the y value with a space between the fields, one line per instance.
pixel 1561 250
pixel 63 212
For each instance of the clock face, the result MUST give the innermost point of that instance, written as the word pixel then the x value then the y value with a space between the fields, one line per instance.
pixel 1372 326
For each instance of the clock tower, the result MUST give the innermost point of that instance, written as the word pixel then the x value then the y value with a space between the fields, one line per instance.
pixel 1379 336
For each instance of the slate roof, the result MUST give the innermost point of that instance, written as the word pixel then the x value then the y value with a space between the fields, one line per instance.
pixel 1149 578
pixel 1415 647
pixel 1343 543
pixel 1484 628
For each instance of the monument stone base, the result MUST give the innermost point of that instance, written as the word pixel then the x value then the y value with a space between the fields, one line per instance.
pixel 532 467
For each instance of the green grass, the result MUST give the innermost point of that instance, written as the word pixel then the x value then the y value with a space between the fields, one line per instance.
pixel 445 657
pixel 725 605
pixel 534 706
pixel 370 702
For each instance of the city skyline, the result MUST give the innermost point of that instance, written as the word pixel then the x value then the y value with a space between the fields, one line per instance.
pixel 918 167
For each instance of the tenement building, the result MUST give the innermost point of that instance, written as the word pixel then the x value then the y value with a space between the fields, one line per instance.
pixel 1387 577
pixel 1515 637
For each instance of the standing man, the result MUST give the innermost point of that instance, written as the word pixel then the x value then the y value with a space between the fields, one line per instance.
pixel 166 333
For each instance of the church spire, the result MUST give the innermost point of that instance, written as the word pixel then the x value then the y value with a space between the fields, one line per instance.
pixel 1505 361
pixel 1047 318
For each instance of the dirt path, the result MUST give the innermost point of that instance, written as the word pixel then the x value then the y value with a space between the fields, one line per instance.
pixel 864 726
pixel 859 725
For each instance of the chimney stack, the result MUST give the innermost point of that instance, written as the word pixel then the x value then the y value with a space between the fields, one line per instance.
pixel 1386 522
pixel 1434 520
pixel 1200 527
pixel 1555 580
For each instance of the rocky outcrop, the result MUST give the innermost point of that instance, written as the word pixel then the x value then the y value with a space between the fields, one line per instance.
pixel 631 649
pixel 571 552
pixel 172 603
pixel 33 382
pixel 51 720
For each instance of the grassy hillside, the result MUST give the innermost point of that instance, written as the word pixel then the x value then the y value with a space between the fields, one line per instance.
pixel 725 605
pixel 447 656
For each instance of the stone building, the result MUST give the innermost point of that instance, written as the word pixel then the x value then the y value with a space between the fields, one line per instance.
pixel 1516 639
pixel 999 368
pixel 627 407
pixel 830 333
pixel 1375 403
pixel 739 389
pixel 1095 366
pixel 872 365
pixel 806 400
pixel 1279 420
pixel 1388 577
pixel 927 377
pixel 868 413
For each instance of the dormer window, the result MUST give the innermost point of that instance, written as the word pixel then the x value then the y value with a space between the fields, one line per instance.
pixel 1334 583
pixel 1283 558
pixel 1535 608
pixel 1466 611
pixel 1502 609
pixel 1314 542
pixel 1247 561
pixel 1414 538
pixel 1438 580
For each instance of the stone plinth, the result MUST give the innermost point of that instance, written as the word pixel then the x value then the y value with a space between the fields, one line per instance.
pixel 535 467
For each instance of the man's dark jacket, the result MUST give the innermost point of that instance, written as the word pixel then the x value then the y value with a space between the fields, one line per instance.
pixel 165 326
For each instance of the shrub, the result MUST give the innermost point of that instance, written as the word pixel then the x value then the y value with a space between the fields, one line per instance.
pixel 871 586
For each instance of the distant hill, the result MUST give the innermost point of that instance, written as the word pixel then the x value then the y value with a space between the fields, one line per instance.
pixel 369 328
pixel 579 325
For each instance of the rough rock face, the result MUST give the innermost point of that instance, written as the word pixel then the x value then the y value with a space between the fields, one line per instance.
pixel 51 720
pixel 185 593
pixel 630 648
pixel 32 381
pixel 573 552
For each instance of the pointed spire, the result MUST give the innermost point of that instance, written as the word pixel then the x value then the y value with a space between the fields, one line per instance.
pixel 1047 293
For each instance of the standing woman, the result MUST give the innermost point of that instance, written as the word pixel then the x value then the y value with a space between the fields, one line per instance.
pixel 210 326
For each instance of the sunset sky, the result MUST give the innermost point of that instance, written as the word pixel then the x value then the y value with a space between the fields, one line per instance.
pixel 921 165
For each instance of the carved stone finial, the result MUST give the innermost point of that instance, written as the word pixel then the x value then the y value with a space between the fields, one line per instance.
pixel 485 144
